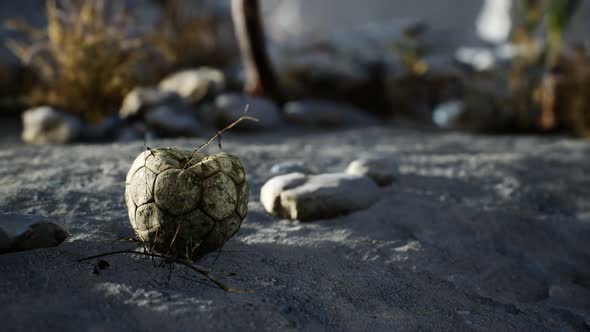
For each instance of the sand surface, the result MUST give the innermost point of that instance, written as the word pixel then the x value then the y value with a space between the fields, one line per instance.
pixel 477 233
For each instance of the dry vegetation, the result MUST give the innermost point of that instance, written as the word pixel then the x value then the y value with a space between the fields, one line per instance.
pixel 92 52
pixel 187 39
pixel 86 59
pixel 546 85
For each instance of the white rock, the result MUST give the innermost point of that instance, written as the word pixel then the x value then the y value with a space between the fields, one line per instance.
pixel 141 99
pixel 20 232
pixel 323 113
pixel 45 125
pixel 380 170
pixel 270 193
pixel 447 115
pixel 167 121
pixel 309 197
pixel 229 107
pixel 194 85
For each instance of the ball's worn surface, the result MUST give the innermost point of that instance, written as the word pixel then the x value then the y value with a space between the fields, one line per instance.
pixel 186 204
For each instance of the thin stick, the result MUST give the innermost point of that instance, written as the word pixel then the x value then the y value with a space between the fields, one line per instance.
pixel 191 266
pixel 218 134
pixel 230 126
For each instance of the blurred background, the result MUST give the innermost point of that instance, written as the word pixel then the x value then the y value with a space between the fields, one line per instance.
pixel 103 71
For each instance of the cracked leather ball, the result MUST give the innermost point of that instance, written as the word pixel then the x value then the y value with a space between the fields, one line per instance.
pixel 186 204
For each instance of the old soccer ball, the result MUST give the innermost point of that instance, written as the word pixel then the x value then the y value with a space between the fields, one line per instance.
pixel 186 204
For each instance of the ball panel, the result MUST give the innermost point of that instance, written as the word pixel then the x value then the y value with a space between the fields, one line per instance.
pixel 206 168
pixel 177 191
pixel 148 219
pixel 231 166
pixel 181 236
pixel 193 226
pixel 243 197
pixel 159 160
pixel 194 158
pixel 131 207
pixel 175 153
pixel 142 186
pixel 232 225
pixel 221 232
pixel 137 164
pixel 219 196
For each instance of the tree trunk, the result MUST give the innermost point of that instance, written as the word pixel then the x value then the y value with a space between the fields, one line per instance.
pixel 260 77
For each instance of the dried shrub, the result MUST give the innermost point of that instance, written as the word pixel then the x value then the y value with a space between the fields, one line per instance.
pixel 564 93
pixel 188 38
pixel 87 59
pixel 548 78
pixel 546 85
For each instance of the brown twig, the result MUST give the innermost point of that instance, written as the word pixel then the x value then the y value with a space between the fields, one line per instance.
pixel 230 126
pixel 171 259
pixel 218 134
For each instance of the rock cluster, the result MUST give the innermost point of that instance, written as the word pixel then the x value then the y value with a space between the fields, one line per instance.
pixel 295 194
pixel 324 113
pixel 392 66
pixel 325 83
pixel 169 110
pixel 309 197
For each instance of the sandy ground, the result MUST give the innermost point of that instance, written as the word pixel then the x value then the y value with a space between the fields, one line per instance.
pixel 477 233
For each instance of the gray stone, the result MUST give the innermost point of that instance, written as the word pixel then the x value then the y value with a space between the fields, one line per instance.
pixel 287 167
pixel 447 115
pixel 107 128
pixel 328 69
pixel 302 197
pixel 323 113
pixel 19 232
pixel 347 63
pixel 229 107
pixel 135 131
pixel 142 99
pixel 195 85
pixel 167 121
pixel 380 170
pixel 46 125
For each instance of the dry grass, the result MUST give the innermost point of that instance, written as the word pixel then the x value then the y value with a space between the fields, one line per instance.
pixel 546 87
pixel 92 53
pixel 189 38
pixel 564 95
pixel 87 59
pixel 551 78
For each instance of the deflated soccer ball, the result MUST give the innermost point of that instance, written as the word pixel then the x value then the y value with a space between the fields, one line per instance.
pixel 186 204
